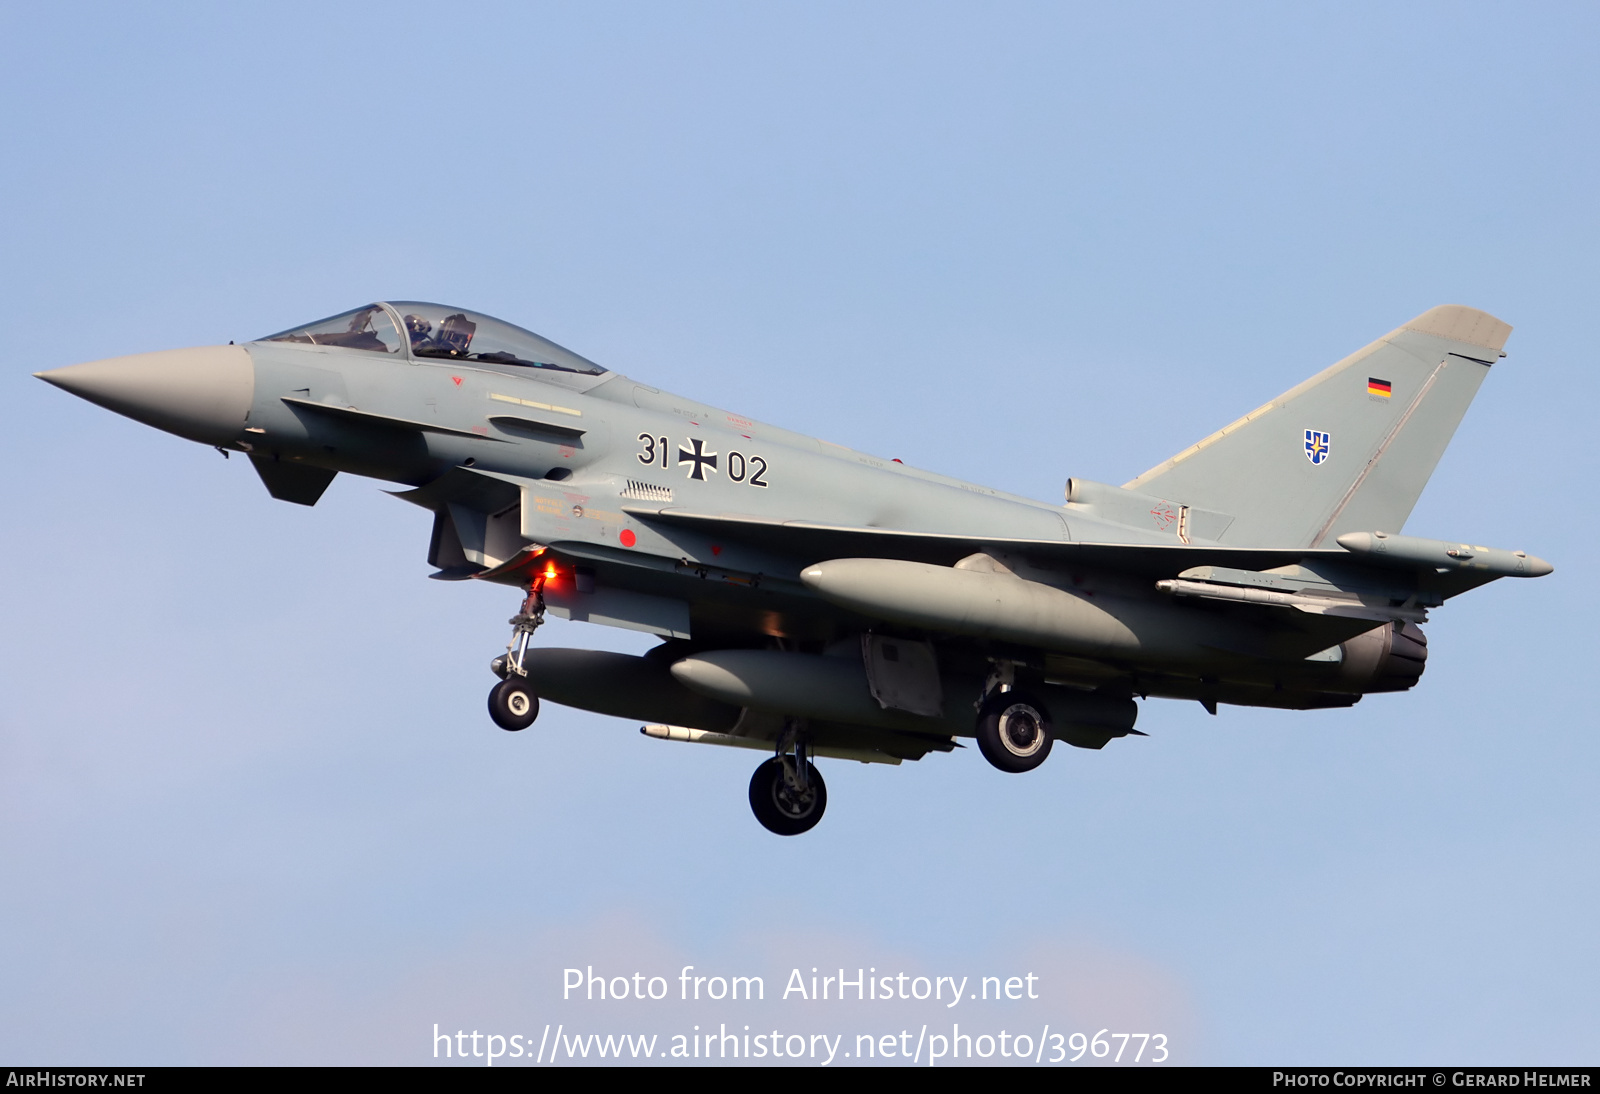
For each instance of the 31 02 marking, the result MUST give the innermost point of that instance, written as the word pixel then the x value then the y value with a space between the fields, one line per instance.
pixel 700 463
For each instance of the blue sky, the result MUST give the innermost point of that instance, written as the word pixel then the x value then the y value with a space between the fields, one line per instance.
pixel 251 808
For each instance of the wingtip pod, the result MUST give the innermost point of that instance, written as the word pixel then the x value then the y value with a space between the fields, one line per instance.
pixel 1443 555
pixel 1456 323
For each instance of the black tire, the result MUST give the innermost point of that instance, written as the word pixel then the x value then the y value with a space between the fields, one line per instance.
pixel 513 704
pixel 778 808
pixel 1014 732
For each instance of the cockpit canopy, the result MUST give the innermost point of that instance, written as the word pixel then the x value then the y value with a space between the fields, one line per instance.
pixel 368 328
pixel 437 331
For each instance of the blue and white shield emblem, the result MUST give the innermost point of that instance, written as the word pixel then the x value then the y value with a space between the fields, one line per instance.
pixel 1316 446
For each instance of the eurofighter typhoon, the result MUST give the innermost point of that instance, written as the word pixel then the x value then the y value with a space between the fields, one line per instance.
pixel 814 601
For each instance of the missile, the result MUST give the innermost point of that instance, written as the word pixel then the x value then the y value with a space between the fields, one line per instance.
pixel 762 744
pixel 622 686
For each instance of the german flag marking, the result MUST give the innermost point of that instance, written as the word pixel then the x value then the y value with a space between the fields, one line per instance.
pixel 1376 386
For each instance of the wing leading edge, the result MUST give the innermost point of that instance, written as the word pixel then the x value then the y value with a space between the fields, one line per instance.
pixel 1443 567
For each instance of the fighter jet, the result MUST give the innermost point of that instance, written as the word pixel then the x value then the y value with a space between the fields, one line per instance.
pixel 815 601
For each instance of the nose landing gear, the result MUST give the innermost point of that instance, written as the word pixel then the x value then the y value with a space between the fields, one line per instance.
pixel 513 704
pixel 787 793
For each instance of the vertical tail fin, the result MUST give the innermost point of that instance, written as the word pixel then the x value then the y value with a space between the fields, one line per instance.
pixel 1348 450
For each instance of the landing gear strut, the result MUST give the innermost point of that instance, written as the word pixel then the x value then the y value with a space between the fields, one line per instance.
pixel 513 704
pixel 787 793
pixel 1014 731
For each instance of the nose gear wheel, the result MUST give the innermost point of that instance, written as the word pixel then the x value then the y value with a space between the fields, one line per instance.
pixel 513 704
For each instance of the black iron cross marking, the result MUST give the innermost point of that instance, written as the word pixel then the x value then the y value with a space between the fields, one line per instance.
pixel 699 458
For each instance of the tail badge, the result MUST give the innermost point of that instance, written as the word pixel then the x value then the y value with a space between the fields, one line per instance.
pixel 1316 446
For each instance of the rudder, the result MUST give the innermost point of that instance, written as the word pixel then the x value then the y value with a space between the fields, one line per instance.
pixel 1349 449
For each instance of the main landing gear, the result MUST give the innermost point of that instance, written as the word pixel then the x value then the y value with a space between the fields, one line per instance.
pixel 513 704
pixel 787 793
pixel 1014 731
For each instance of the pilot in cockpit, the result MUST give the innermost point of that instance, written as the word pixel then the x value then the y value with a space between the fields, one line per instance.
pixel 418 329
pixel 454 337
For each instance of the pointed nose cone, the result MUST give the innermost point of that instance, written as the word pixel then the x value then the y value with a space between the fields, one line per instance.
pixel 203 394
